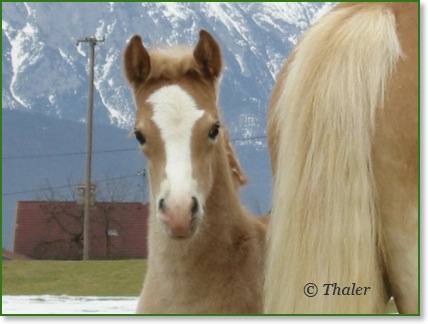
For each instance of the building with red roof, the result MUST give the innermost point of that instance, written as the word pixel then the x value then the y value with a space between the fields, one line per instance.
pixel 54 230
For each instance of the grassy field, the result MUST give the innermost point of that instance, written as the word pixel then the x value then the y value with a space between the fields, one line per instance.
pixel 79 278
pixel 75 278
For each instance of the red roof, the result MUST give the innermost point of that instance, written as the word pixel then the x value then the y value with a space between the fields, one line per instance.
pixel 54 230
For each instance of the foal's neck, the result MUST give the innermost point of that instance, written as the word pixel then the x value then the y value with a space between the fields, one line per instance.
pixel 224 198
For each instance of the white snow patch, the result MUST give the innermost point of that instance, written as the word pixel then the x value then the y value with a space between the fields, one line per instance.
pixel 173 10
pixel 225 12
pixel 101 76
pixel 65 57
pixel 30 12
pixel 104 30
pixel 80 50
pixel 52 99
pixel 29 30
pixel 240 61
pixel 99 31
pixel 267 20
pixel 19 56
pixel 291 13
pixel 50 304
pixel 293 39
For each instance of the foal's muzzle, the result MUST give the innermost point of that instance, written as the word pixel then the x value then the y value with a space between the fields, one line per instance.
pixel 179 215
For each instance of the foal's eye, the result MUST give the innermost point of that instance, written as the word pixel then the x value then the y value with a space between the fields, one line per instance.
pixel 214 131
pixel 140 137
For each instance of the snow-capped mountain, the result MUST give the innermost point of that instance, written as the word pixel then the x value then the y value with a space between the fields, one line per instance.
pixel 45 87
pixel 44 71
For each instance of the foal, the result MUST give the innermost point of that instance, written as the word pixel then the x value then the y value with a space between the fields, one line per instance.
pixel 205 250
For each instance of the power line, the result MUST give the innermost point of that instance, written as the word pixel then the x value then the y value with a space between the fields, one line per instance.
pixel 248 138
pixel 32 191
pixel 37 156
pixel 55 155
pixel 94 152
pixel 100 181
pixel 64 186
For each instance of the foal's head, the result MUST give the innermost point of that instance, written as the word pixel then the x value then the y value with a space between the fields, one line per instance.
pixel 177 126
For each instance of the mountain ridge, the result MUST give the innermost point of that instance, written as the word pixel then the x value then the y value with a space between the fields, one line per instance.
pixel 46 72
pixel 45 85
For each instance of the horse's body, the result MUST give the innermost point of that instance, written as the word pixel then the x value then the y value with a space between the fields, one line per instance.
pixel 343 135
pixel 205 250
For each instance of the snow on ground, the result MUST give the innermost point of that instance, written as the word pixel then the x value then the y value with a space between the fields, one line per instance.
pixel 48 304
pixel 69 305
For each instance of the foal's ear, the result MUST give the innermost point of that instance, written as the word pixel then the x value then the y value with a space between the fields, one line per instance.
pixel 207 54
pixel 136 61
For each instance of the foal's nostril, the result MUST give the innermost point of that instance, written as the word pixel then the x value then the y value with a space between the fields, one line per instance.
pixel 195 206
pixel 161 205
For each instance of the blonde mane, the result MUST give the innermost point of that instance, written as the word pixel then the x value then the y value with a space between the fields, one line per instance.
pixel 324 117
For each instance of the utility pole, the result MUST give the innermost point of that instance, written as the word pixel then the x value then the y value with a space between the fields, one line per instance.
pixel 143 174
pixel 88 188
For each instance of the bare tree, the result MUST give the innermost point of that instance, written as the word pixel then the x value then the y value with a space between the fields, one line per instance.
pixel 68 216
pixel 108 203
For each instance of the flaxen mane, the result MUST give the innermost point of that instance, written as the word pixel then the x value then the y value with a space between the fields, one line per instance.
pixel 343 137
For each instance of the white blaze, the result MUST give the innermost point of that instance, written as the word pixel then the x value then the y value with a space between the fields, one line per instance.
pixel 175 113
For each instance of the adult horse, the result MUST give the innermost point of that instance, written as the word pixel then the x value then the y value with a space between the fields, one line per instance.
pixel 205 250
pixel 343 135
